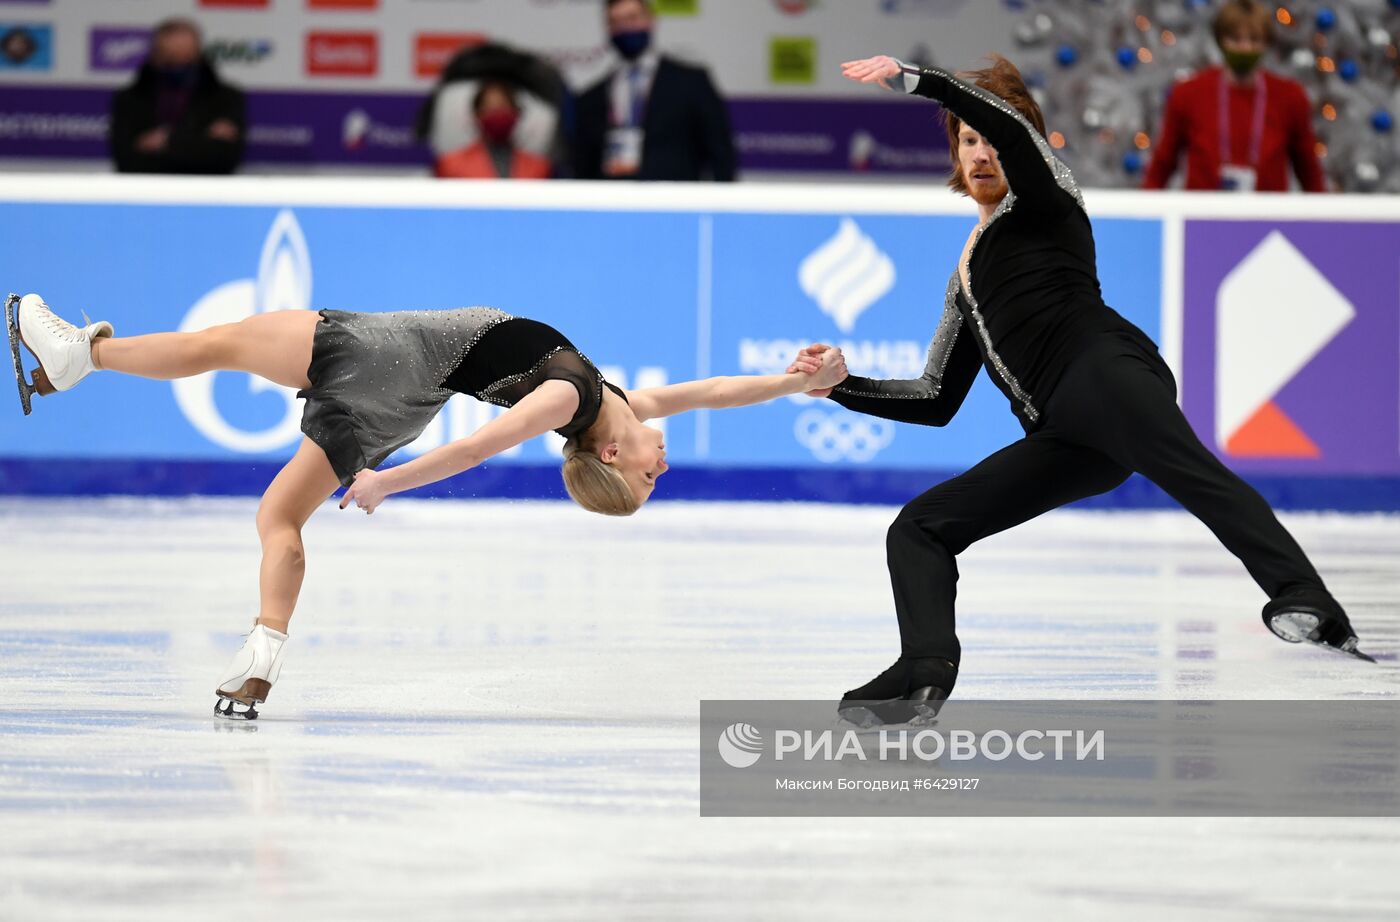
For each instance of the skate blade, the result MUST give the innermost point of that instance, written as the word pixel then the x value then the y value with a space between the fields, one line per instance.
pixel 1346 649
pixel 917 710
pixel 1302 627
pixel 26 390
pixel 859 715
pixel 229 709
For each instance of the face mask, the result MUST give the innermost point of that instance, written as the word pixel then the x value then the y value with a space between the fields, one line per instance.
pixel 498 125
pixel 631 44
pixel 1242 62
pixel 178 77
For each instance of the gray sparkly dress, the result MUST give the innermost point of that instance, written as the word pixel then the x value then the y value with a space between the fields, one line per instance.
pixel 377 380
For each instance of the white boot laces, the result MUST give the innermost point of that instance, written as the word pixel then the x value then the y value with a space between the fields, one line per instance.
pixel 60 328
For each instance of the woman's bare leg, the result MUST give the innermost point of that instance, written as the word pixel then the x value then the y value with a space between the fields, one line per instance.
pixel 294 494
pixel 275 346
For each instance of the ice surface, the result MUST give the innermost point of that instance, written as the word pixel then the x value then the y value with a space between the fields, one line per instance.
pixel 488 710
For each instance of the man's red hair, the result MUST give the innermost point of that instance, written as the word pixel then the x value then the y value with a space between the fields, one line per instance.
pixel 1003 79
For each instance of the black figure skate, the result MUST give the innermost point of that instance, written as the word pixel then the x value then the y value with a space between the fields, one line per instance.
pixel 910 692
pixel 1312 616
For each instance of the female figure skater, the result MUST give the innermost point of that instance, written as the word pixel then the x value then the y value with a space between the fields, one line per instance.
pixel 372 383
pixel 1091 392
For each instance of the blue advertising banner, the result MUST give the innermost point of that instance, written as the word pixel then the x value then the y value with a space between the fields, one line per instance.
pixel 651 297
pixel 656 286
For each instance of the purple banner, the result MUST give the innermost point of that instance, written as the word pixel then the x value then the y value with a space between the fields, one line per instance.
pixel 117 48
pixel 335 128
pixel 301 128
pixel 54 122
pixel 1291 358
pixel 837 136
pixel 801 136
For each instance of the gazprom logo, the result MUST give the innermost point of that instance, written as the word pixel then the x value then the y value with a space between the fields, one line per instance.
pixel 1274 313
pixel 846 275
pixel 283 283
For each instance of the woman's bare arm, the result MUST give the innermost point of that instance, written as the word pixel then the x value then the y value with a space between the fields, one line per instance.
pixel 736 390
pixel 550 406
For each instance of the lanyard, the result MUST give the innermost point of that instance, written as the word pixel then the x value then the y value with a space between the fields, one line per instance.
pixel 636 84
pixel 1256 136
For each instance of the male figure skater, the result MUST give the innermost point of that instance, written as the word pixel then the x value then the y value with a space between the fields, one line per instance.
pixel 1094 397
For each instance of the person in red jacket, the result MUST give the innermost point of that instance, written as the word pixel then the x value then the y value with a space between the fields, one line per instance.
pixel 495 155
pixel 1240 125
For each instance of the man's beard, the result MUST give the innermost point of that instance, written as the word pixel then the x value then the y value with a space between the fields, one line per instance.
pixel 984 194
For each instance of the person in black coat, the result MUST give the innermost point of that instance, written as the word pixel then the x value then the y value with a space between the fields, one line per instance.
pixel 653 117
pixel 177 116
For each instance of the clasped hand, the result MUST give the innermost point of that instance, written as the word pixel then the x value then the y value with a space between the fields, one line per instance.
pixel 824 364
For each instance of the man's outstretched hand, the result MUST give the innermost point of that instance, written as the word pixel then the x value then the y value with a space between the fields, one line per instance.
pixel 810 361
pixel 880 69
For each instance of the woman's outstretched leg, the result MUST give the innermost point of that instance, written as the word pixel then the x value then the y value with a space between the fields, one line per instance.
pixel 275 346
pixel 297 491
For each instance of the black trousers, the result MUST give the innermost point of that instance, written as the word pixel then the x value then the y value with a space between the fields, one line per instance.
pixel 1114 412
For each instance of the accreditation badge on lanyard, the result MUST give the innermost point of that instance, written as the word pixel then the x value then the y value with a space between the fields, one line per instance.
pixel 1241 177
pixel 622 147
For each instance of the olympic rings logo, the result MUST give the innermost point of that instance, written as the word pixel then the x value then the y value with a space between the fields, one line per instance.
pixel 832 437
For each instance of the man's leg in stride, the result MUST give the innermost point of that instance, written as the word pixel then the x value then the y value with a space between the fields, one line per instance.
pixel 1129 412
pixel 1018 483
pixel 275 346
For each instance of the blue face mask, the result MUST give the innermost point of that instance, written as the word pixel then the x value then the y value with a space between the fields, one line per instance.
pixel 179 77
pixel 631 45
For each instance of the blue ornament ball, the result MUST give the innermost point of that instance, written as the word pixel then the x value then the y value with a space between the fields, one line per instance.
pixel 1326 19
pixel 1132 163
pixel 1066 56
pixel 1127 58
pixel 1382 121
pixel 1349 70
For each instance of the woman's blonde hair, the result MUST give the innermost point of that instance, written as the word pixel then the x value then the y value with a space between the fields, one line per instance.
pixel 594 484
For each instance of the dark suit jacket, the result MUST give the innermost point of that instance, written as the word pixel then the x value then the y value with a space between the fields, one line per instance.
pixel 686 125
pixel 190 149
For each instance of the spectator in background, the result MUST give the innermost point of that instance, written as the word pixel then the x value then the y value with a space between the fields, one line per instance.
pixel 177 116
pixel 653 117
pixel 494 155
pixel 1241 126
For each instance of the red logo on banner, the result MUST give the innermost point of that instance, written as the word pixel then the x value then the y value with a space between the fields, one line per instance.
pixel 342 54
pixel 432 50
pixel 242 3
pixel 342 4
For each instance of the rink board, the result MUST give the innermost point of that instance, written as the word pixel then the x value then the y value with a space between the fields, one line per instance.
pixel 1285 333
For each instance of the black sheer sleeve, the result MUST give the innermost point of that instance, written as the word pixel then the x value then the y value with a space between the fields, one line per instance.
pixel 1033 172
pixel 931 399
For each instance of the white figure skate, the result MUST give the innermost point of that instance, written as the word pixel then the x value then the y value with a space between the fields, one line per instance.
pixel 251 674
pixel 63 350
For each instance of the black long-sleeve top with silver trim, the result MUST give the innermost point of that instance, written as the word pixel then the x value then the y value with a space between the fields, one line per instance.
pixel 1034 298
